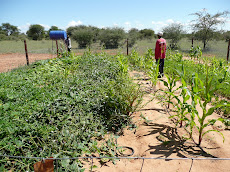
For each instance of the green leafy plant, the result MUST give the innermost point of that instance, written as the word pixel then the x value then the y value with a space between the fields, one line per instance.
pixel 62 107
pixel 153 73
pixel 170 85
pixel 203 92
pixel 195 53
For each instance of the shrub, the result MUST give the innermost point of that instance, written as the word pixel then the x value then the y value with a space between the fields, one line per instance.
pixel 111 37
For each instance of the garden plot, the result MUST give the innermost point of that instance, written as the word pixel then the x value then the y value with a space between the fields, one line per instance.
pixel 157 136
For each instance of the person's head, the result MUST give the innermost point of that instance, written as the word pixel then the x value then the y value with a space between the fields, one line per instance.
pixel 160 34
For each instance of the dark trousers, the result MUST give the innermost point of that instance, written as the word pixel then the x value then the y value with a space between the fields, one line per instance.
pixel 161 65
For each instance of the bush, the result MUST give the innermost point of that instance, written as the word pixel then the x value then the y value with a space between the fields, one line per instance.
pixel 174 33
pixel 133 36
pixel 83 36
pixel 111 37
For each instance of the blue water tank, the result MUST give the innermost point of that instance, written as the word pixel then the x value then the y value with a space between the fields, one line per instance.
pixel 58 34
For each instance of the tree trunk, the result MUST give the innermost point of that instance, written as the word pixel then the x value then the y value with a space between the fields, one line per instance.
pixel 204 44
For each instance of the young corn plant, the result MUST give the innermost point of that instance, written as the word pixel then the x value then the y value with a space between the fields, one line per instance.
pixel 202 94
pixel 170 85
pixel 154 73
pixel 195 53
pixel 182 106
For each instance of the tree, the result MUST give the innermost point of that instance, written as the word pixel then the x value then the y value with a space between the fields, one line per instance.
pixel 146 33
pixel 173 32
pixel 206 24
pixel 226 35
pixel 133 36
pixel 53 28
pixel 111 37
pixel 83 36
pixel 36 32
pixel 9 29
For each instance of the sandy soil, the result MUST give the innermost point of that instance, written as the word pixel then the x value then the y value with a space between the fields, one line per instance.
pixel 10 61
pixel 156 137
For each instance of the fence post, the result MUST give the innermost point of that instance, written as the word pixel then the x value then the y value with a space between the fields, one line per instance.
pixel 192 42
pixel 57 47
pixel 127 41
pixel 228 50
pixel 27 58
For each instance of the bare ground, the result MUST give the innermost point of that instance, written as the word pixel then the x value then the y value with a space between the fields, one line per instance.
pixel 10 61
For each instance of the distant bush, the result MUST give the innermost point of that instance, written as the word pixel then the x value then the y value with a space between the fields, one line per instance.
pixel 83 36
pixel 133 36
pixel 36 32
pixel 146 33
pixel 111 37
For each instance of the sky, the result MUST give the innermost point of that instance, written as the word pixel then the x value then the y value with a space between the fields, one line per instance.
pixel 127 14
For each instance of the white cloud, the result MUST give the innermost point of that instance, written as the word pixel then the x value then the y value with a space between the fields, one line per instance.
pixel 127 23
pixel 170 21
pixel 47 27
pixel 159 25
pixel 24 28
pixel 74 23
pixel 115 24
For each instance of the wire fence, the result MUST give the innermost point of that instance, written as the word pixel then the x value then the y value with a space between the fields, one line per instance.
pixel 12 53
pixel 91 159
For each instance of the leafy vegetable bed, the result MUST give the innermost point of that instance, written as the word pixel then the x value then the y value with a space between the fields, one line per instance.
pixel 62 107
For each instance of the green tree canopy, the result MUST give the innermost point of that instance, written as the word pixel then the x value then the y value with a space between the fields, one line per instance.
pixel 133 36
pixel 111 37
pixel 83 36
pixel 36 32
pixel 206 24
pixel 173 32
pixel 146 33
pixel 9 29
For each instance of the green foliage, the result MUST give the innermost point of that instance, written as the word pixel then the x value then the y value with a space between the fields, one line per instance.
pixel 9 29
pixel 218 69
pixel 195 53
pixel 62 107
pixel 35 32
pixel 200 94
pixel 170 84
pixel 111 37
pixel 210 78
pixel 206 24
pixel 174 33
pixel 146 34
pixel 133 36
pixel 83 37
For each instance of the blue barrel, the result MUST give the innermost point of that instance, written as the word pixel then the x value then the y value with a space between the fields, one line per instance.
pixel 58 34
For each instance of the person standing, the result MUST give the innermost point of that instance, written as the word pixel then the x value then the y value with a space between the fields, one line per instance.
pixel 160 51
pixel 68 43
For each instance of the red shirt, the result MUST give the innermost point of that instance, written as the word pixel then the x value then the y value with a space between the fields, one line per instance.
pixel 160 48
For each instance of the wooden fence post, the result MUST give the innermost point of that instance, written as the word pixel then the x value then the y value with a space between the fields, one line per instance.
pixel 127 46
pixel 228 50
pixel 57 47
pixel 192 42
pixel 27 58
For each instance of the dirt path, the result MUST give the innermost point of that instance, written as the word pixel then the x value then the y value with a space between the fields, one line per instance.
pixel 159 138
pixel 10 61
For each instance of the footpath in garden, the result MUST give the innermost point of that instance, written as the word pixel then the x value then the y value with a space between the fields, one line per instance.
pixel 156 136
